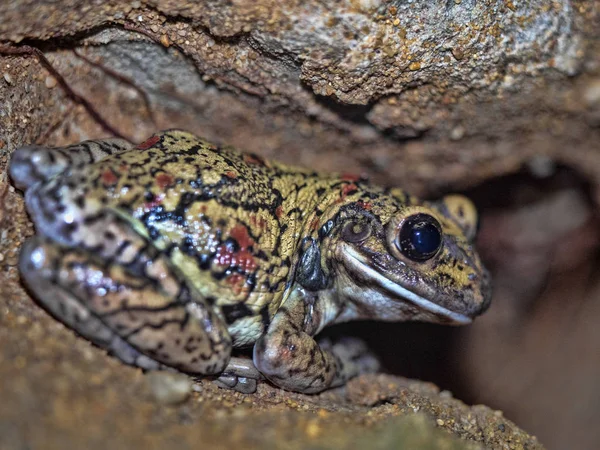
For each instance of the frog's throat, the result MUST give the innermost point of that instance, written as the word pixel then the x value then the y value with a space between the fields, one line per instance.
pixel 355 260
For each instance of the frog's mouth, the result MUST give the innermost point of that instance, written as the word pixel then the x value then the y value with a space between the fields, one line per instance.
pixel 356 263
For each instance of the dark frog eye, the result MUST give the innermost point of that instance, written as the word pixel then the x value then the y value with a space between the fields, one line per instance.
pixel 420 237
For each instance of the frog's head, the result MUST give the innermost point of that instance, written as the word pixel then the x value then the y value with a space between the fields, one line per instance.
pixel 414 261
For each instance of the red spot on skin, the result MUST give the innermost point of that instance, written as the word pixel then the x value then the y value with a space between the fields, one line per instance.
pixel 237 282
pixel 258 222
pixel 148 143
pixel 314 224
pixel 240 234
pixel 253 159
pixel 109 178
pixel 203 208
pixel 164 180
pixel 364 205
pixel 242 258
pixel 124 167
pixel 154 202
pixel 350 177
pixel 231 174
pixel 234 278
pixel 348 189
pixel 279 212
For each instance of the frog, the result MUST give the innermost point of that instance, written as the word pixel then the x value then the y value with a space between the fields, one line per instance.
pixel 179 254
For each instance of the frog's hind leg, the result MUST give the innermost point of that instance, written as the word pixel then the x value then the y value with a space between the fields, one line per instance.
pixel 141 311
pixel 67 308
pixel 32 164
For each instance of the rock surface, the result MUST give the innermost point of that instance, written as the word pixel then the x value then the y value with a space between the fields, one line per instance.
pixel 433 96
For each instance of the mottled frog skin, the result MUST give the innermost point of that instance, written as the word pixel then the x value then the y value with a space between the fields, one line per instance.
pixel 172 253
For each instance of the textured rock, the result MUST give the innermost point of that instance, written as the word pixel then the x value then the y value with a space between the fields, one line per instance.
pixel 432 96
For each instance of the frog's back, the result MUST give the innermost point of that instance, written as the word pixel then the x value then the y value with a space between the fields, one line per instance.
pixel 179 165
pixel 229 221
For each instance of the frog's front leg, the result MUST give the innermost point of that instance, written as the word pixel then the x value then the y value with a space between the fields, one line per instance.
pixel 289 356
pixel 126 297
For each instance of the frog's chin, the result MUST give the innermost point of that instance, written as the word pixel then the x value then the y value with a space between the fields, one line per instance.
pixel 354 262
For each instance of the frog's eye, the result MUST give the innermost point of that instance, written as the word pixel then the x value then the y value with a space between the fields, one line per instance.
pixel 420 237
pixel 356 231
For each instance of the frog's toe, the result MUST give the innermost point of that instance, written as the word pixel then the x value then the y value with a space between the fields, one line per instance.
pixel 240 375
pixel 243 385
pixel 33 163
pixel 355 356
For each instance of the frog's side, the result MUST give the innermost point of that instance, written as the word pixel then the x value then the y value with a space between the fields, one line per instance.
pixel 171 253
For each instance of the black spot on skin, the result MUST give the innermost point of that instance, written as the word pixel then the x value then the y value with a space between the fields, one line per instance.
pixel 69 228
pixel 235 312
pixel 233 245
pixel 153 233
pixel 264 316
pixel 310 272
pixel 79 201
pixel 51 157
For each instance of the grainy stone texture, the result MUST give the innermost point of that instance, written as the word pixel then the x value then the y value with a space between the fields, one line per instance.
pixel 400 90
pixel 430 95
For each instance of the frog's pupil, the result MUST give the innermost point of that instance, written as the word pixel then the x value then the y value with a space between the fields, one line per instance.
pixel 425 238
pixel 420 237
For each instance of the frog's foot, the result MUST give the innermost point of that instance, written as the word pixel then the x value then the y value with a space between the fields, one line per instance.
pixel 240 375
pixel 289 356
pixel 33 163
pixel 295 361
pixel 353 355
pixel 147 317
